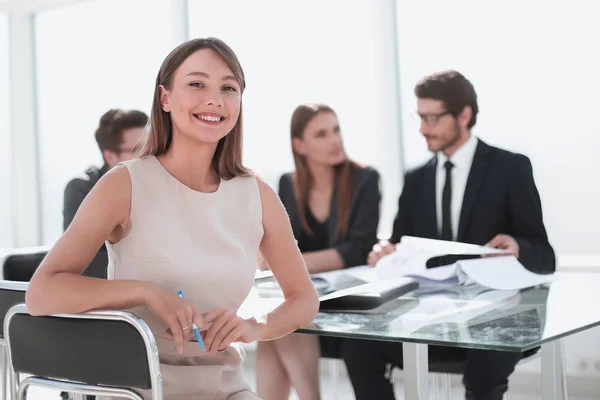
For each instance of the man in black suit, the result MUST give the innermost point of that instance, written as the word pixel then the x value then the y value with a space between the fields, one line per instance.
pixel 117 135
pixel 468 192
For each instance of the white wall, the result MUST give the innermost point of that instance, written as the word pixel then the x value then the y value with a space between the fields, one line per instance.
pixel 536 75
pixel 291 55
pixel 298 52
pixel 91 57
pixel 6 239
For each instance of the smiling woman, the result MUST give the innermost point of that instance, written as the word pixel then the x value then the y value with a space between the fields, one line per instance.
pixel 220 107
pixel 185 216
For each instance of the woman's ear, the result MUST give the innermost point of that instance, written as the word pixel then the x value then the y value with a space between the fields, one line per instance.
pixel 299 146
pixel 164 99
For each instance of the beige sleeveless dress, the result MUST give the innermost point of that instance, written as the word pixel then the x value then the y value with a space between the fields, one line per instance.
pixel 205 244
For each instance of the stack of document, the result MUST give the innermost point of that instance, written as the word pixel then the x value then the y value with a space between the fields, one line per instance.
pixel 430 263
pixel 438 262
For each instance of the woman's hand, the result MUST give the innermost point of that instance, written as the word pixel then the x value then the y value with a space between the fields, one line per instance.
pixel 227 328
pixel 177 313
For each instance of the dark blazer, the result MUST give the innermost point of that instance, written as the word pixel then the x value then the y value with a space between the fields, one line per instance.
pixel 363 221
pixel 500 197
pixel 75 192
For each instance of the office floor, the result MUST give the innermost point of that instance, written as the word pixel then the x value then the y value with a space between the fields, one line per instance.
pixel 331 388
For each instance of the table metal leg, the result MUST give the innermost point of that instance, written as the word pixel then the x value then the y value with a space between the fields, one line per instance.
pixel 416 369
pixel 554 377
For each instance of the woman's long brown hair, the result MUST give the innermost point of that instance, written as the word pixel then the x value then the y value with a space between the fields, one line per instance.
pixel 343 181
pixel 227 161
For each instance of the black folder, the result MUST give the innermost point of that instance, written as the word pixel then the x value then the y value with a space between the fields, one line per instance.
pixel 367 296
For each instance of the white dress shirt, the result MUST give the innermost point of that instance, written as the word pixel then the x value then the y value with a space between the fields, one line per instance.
pixel 462 160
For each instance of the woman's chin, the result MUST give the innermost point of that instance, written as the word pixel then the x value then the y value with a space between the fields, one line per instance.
pixel 206 138
pixel 338 162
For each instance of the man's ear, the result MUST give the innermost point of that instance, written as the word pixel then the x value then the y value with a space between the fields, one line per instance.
pixel 110 158
pixel 164 99
pixel 299 146
pixel 465 116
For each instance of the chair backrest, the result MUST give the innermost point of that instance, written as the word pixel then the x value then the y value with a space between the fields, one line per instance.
pixel 11 293
pixel 19 264
pixel 102 348
pixel 98 266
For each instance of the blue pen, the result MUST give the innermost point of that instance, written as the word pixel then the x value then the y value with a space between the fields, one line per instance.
pixel 194 327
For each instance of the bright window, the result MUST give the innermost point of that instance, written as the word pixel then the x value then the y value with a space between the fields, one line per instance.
pixel 91 57
pixel 6 239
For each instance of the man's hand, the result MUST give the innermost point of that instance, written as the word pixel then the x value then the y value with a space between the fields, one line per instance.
pixel 381 249
pixel 505 242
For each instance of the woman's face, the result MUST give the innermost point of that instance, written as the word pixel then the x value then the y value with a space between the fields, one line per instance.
pixel 322 141
pixel 204 98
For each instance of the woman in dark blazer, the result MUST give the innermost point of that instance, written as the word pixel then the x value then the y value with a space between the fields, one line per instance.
pixel 333 204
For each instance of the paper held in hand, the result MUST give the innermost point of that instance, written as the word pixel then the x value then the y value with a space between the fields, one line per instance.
pixel 439 262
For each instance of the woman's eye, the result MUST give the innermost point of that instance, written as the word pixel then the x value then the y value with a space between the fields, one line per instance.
pixel 196 84
pixel 230 88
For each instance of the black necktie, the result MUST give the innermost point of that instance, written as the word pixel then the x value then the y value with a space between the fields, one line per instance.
pixel 446 200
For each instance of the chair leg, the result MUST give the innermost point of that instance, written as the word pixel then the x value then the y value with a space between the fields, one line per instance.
pixel 13 383
pixel 22 393
pixel 3 371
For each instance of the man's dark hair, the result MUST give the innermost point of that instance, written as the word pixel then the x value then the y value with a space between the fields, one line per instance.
pixel 453 89
pixel 113 123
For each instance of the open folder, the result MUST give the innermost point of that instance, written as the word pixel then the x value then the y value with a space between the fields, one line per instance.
pixel 439 262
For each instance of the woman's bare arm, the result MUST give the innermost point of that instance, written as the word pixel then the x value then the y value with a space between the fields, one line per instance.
pixel 281 252
pixel 58 286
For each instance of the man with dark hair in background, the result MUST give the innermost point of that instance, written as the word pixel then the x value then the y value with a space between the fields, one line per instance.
pixel 468 192
pixel 117 135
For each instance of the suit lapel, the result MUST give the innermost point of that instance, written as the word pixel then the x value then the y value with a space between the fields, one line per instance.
pixel 429 205
pixel 474 184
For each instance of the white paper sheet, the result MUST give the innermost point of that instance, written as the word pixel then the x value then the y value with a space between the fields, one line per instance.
pixel 502 273
pixel 440 247
pixel 412 253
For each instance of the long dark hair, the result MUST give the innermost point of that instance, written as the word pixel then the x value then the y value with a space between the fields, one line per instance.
pixel 303 181
pixel 227 161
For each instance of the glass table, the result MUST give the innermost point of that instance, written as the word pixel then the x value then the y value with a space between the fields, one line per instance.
pixel 478 319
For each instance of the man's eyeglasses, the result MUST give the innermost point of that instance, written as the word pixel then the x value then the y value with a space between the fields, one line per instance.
pixel 429 119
